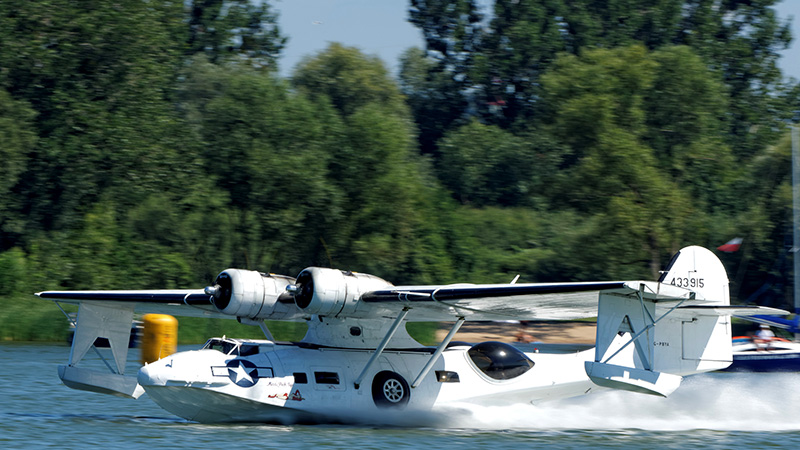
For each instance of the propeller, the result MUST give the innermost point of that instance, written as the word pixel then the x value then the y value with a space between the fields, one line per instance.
pixel 302 290
pixel 221 291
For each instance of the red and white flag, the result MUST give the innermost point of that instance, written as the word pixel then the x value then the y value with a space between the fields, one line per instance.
pixel 731 246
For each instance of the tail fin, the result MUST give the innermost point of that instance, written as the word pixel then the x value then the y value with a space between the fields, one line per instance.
pixel 699 270
pixel 646 341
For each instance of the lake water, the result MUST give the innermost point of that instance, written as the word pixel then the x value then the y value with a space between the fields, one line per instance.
pixel 714 411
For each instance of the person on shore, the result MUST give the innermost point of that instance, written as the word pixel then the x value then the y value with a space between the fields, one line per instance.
pixel 522 333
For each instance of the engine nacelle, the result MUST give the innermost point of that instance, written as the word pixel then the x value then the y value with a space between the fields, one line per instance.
pixel 247 293
pixel 330 292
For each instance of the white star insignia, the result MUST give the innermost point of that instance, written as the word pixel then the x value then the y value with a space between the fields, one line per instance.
pixel 241 373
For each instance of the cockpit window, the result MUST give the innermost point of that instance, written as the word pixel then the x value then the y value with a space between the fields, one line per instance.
pixel 499 360
pixel 221 345
pixel 248 350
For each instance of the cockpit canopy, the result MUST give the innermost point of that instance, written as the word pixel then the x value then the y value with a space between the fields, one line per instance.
pixel 226 346
pixel 237 347
pixel 499 360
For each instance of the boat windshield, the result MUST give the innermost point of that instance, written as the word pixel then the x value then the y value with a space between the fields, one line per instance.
pixel 223 345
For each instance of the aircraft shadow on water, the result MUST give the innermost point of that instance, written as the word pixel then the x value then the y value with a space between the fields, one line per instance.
pixel 357 362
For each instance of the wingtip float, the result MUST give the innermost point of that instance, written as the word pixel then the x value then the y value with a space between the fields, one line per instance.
pixel 357 360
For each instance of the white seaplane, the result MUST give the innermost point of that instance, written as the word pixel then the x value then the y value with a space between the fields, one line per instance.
pixel 357 361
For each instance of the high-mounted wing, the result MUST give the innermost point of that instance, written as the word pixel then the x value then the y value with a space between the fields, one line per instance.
pixel 236 293
pixel 530 301
pixel 334 293
pixel 173 302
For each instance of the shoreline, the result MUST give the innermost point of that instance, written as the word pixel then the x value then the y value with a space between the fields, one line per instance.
pixel 548 332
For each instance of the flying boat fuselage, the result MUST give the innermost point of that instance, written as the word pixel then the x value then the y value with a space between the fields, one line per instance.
pixel 261 381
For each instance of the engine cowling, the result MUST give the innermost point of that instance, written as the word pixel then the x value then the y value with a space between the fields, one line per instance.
pixel 331 292
pixel 247 293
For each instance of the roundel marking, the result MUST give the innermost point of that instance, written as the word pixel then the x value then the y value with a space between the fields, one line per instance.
pixel 242 372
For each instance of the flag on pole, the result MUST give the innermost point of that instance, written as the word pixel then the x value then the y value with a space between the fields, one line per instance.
pixel 731 246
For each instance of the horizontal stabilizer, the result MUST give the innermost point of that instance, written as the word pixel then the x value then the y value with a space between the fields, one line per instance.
pixel 791 325
pixel 104 383
pixel 632 379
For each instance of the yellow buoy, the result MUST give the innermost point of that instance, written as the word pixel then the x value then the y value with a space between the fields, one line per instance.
pixel 160 337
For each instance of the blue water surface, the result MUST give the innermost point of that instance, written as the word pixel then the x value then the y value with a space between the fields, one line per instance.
pixel 712 411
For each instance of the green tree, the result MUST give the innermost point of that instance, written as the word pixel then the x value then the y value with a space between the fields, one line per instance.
pixel 741 39
pixel 597 103
pixel 485 165
pixel 349 79
pixel 18 139
pixel 523 40
pixel 685 126
pixel 388 194
pixel 435 99
pixel 269 149
pixel 765 224
pixel 235 31
pixel 385 192
pixel 494 245
pixel 98 76
pixel 499 64
pixel 452 33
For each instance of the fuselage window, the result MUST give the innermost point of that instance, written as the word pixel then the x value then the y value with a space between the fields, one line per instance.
pixel 326 377
pixel 300 378
pixel 447 376
pixel 499 360
pixel 248 349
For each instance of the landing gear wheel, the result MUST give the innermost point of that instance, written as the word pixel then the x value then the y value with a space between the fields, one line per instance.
pixel 390 390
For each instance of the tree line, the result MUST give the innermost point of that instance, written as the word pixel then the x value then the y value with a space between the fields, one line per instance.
pixel 153 144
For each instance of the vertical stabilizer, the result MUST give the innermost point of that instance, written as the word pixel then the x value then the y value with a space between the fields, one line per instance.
pixel 699 270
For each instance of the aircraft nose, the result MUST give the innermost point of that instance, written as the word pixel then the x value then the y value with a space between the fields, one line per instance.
pixel 151 375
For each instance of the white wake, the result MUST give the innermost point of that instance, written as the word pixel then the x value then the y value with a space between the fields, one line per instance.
pixel 721 401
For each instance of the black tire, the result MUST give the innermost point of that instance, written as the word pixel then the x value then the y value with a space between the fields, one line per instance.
pixel 390 390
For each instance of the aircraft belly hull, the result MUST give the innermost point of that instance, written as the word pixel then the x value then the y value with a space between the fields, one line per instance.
pixel 212 406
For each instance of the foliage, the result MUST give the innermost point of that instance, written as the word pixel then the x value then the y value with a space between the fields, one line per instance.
pixel 18 138
pixel 153 144
pixel 597 105
pixel 268 149
pixel 98 76
pixel 486 165
pixel 349 79
pixel 234 31
pixel 435 99
pixel 498 63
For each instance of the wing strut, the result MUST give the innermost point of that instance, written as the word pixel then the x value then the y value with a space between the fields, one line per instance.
pixel 259 323
pixel 382 346
pixel 438 352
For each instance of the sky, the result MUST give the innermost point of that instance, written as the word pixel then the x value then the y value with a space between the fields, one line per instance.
pixel 376 27
pixel 381 27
